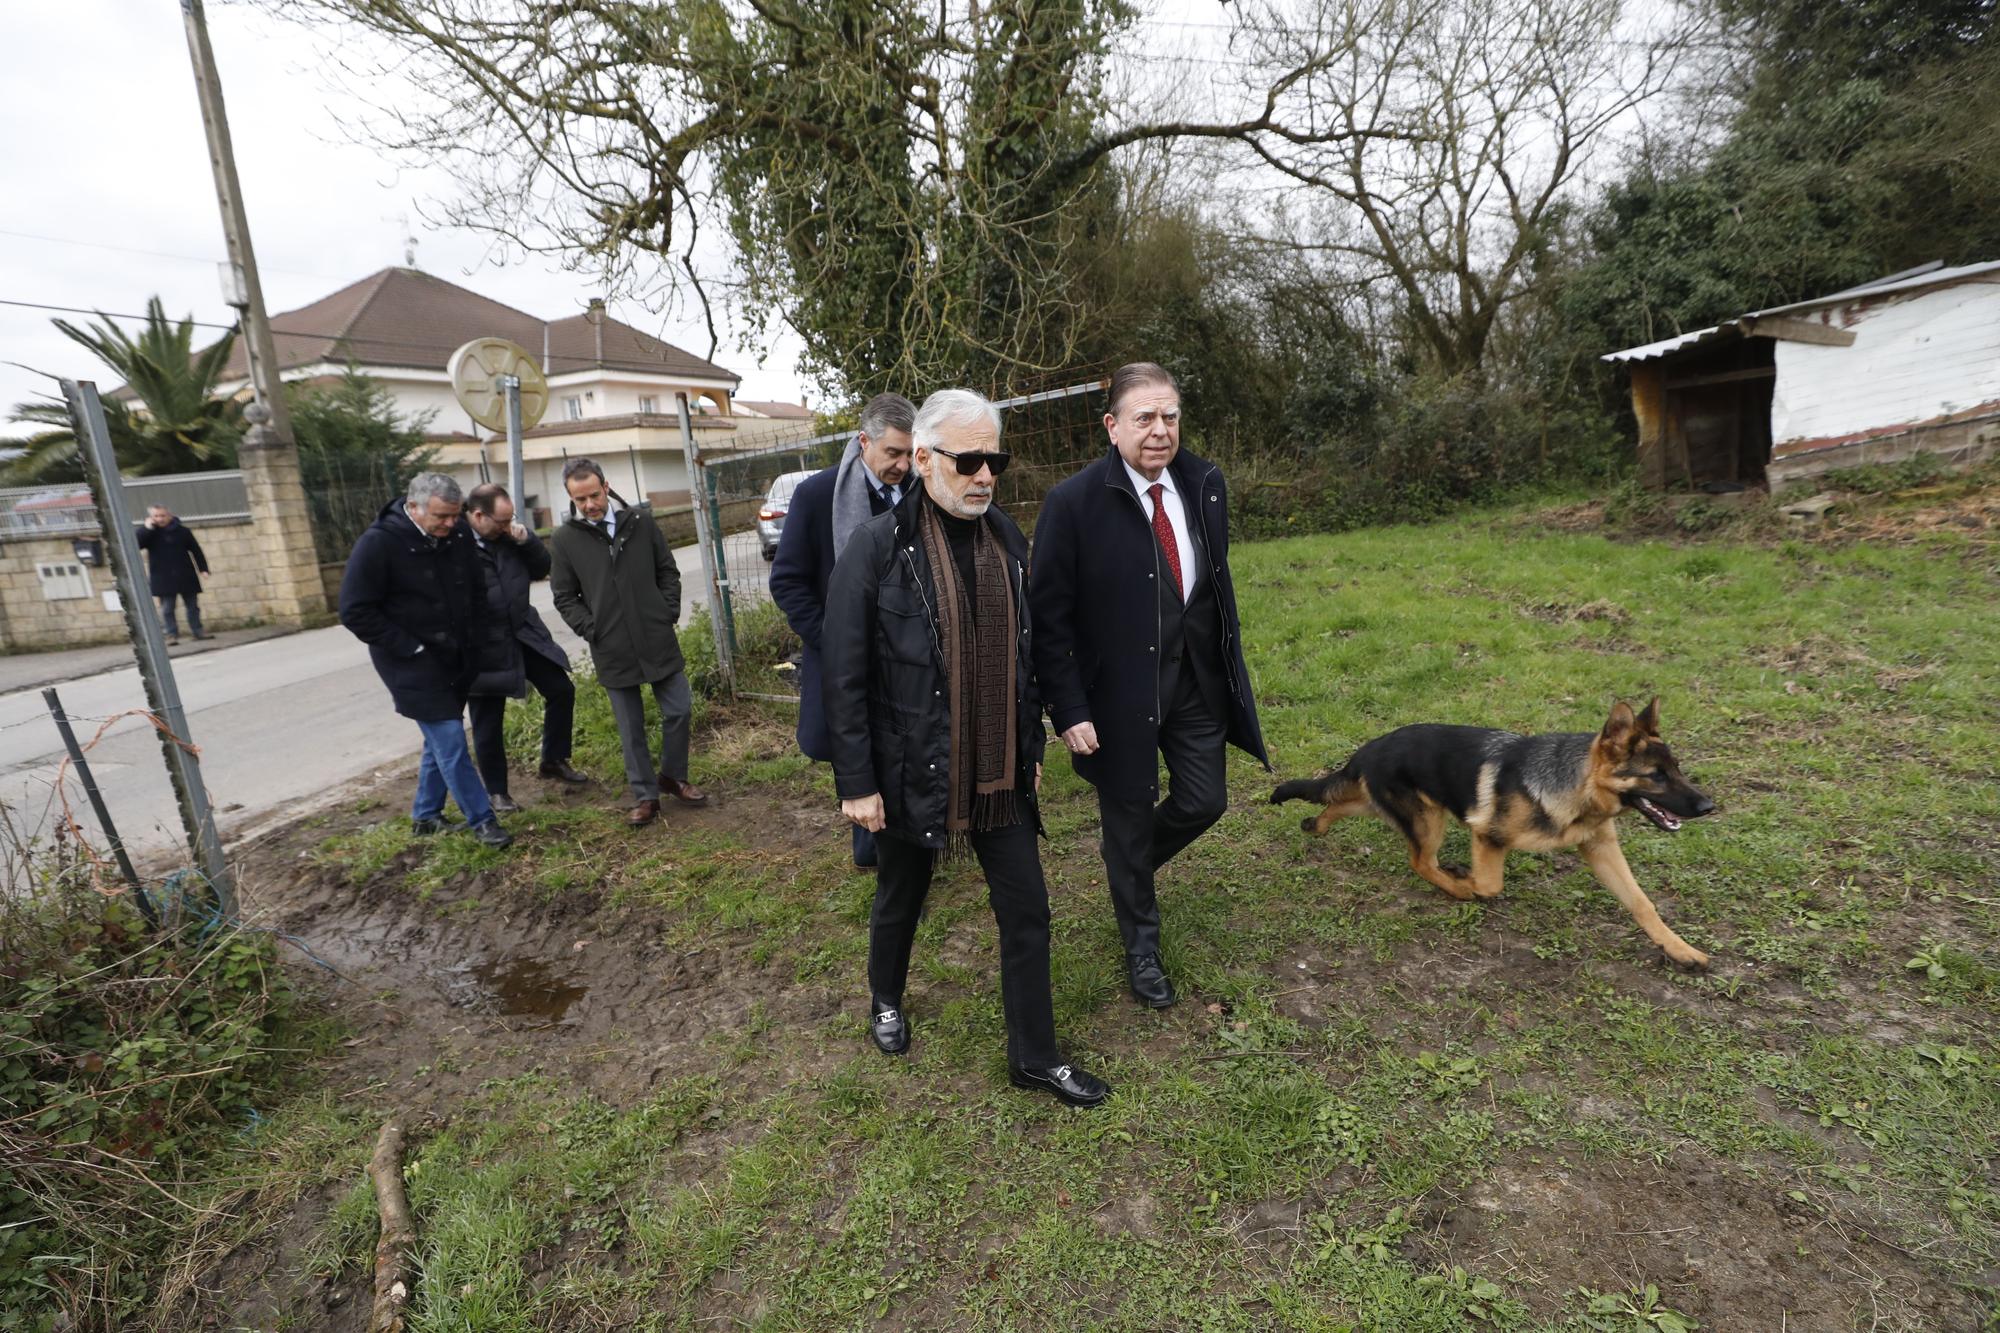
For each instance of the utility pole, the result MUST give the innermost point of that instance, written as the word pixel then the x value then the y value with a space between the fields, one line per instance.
pixel 257 343
pixel 270 460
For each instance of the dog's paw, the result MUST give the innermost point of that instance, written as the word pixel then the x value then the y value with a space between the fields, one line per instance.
pixel 1689 957
pixel 1309 823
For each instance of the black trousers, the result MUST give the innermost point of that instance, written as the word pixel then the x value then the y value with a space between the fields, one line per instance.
pixel 1020 899
pixel 1140 837
pixel 489 713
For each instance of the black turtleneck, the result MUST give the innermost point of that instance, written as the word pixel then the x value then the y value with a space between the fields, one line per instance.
pixel 959 532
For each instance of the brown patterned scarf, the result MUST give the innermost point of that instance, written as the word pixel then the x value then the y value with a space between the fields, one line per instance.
pixel 979 674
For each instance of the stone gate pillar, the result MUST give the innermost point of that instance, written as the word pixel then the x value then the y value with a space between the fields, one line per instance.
pixel 294 594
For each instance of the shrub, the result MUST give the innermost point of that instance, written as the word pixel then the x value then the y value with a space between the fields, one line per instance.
pixel 121 1051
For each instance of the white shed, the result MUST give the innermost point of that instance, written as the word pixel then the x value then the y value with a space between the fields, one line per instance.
pixel 1904 365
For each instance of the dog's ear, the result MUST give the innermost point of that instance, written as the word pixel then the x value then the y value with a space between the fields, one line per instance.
pixel 1649 721
pixel 1620 729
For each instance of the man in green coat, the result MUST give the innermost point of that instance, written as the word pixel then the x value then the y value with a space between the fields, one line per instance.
pixel 616 584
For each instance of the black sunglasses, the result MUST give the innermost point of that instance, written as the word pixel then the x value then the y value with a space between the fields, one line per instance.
pixel 968 464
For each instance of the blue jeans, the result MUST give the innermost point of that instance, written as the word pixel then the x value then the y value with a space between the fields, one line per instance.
pixel 193 601
pixel 447 765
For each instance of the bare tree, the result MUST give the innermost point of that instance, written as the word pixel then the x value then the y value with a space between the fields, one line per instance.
pixel 1499 106
pixel 911 187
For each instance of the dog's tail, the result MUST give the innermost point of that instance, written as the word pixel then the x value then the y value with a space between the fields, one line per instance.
pixel 1320 790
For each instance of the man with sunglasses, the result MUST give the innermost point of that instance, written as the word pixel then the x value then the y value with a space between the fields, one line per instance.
pixel 1138 651
pixel 936 728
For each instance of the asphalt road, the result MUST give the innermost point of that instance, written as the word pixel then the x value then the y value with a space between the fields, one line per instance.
pixel 284 725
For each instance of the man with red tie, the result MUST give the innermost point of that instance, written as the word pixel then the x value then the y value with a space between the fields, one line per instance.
pixel 1137 648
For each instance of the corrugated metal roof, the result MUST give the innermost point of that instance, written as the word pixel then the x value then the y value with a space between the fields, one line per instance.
pixel 1935 278
pixel 1929 277
pixel 1666 346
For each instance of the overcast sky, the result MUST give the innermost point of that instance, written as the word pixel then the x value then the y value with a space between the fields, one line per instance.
pixel 108 198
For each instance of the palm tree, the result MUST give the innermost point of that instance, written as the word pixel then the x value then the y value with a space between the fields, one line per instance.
pixel 173 422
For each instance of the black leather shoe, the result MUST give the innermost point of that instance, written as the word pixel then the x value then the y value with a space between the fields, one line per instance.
pixel 1149 981
pixel 430 828
pixel 888 1027
pixel 503 804
pixel 1068 1084
pixel 492 835
pixel 560 770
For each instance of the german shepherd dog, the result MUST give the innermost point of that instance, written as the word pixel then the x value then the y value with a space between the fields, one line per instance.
pixel 1531 793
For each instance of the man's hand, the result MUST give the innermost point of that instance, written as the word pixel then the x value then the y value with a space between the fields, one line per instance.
pixel 1038 779
pixel 866 811
pixel 516 533
pixel 1081 738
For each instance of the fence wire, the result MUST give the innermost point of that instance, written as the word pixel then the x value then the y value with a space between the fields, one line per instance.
pixel 1051 432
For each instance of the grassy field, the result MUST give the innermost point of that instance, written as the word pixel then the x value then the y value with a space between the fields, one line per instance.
pixel 1374 1109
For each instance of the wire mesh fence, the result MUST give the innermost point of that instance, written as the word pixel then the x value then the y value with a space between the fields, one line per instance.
pixel 1050 432
pixel 41 511
pixel 345 491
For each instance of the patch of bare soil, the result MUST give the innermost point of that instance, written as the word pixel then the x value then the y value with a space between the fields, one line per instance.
pixel 481 981
pixel 1724 1241
pixel 1956 508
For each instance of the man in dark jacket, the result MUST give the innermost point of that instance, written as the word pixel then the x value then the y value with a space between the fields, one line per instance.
pixel 1138 651
pixel 825 511
pixel 521 651
pixel 936 729
pixel 617 585
pixel 175 566
pixel 414 594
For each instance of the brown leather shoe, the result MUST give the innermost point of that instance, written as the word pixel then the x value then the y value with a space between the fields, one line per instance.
pixel 643 813
pixel 682 790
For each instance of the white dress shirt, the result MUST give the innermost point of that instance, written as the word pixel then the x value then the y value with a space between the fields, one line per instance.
pixel 1176 519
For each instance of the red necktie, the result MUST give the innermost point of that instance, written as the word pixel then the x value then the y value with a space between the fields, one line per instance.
pixel 1165 532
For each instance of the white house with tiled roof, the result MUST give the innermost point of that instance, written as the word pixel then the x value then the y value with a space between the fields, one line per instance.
pixel 612 388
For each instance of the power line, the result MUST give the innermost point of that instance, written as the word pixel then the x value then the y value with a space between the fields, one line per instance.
pixel 107 314
pixel 154 254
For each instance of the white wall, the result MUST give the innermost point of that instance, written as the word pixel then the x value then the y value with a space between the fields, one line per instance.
pixel 1915 359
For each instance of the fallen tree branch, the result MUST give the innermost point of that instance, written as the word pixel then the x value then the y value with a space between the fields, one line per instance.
pixel 398 1233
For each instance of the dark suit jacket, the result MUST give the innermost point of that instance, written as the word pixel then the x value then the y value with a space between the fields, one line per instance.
pixel 799 577
pixel 1096 599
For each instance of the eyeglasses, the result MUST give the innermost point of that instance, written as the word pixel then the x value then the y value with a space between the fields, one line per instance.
pixel 968 464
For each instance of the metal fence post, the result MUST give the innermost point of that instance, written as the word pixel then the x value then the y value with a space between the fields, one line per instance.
pixel 709 539
pixel 86 412
pixel 145 904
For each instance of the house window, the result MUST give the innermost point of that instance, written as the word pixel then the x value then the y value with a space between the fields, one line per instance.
pixel 572 409
pixel 648 404
pixel 63 582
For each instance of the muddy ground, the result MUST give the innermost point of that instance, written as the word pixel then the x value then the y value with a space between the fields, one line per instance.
pixel 437 992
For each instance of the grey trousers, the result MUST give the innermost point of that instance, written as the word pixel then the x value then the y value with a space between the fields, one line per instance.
pixel 628 710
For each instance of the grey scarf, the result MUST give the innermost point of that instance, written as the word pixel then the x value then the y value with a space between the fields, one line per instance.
pixel 851 488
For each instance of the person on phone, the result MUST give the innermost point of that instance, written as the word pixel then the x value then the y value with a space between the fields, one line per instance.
pixel 175 567
pixel 520 648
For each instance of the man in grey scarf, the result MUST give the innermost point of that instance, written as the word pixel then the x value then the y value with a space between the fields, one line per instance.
pixel 870 479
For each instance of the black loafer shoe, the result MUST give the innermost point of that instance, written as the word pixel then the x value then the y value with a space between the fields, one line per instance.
pixel 1149 981
pixel 430 828
pixel 503 804
pixel 889 1028
pixel 492 835
pixel 1068 1084
pixel 561 770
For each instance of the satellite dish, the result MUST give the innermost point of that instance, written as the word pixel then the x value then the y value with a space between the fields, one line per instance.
pixel 475 371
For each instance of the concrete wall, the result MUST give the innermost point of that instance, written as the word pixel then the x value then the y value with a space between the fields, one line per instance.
pixel 236 591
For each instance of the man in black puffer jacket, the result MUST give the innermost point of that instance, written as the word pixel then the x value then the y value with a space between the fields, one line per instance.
pixel 413 592
pixel 936 728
